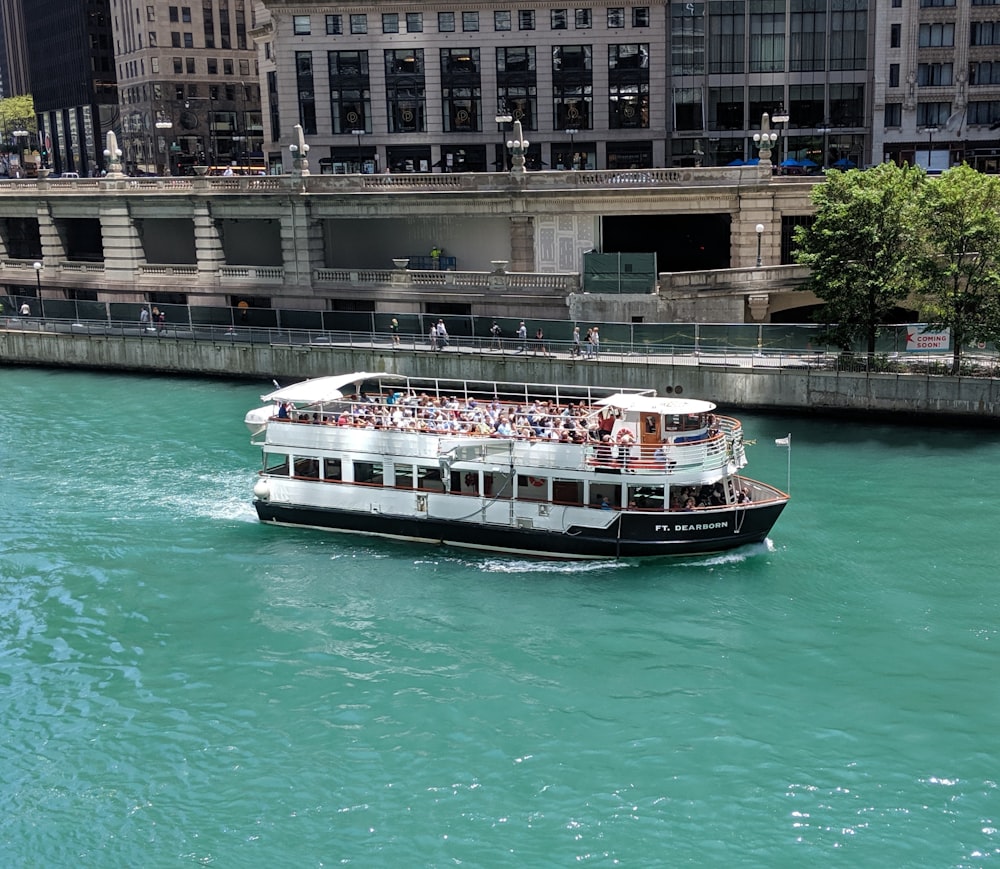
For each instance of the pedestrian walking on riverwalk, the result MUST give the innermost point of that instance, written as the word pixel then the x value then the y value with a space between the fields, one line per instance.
pixel 394 331
pixel 522 337
pixel 161 322
pixel 576 350
pixel 144 319
pixel 495 336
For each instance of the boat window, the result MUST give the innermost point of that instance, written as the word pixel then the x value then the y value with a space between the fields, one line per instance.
pixel 276 463
pixel 465 482
pixel 646 497
pixel 404 476
pixel 532 488
pixel 332 469
pixel 600 491
pixel 429 479
pixel 497 485
pixel 306 467
pixel 368 472
pixel 567 492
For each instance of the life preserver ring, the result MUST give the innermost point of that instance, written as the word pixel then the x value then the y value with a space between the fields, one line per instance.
pixel 536 481
pixel 470 479
pixel 625 433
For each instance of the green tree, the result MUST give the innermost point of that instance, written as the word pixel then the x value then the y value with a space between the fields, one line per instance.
pixel 862 249
pixel 18 113
pixel 960 211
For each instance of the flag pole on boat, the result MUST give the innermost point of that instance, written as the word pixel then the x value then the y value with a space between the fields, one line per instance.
pixel 786 442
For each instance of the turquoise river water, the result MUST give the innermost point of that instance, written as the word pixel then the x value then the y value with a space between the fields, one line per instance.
pixel 183 686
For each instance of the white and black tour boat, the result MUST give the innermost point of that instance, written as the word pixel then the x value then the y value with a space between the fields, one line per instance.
pixel 542 470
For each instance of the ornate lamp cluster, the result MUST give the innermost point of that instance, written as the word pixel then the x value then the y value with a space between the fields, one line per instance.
pixel 518 147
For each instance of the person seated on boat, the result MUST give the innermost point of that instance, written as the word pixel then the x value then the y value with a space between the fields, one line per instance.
pixel 744 497
pixel 504 429
pixel 282 408
pixel 690 505
pixel 605 505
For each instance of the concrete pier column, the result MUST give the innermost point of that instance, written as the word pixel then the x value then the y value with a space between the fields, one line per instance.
pixel 301 245
pixel 208 248
pixel 522 243
pixel 123 251
pixel 53 247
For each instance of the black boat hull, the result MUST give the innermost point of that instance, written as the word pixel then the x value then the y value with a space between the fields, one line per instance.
pixel 633 535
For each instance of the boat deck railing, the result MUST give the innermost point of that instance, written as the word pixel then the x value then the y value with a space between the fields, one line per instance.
pixel 472 441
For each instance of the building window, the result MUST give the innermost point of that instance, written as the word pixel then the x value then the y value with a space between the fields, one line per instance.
pixel 985 33
pixel 186 14
pixel 525 19
pixel 307 96
pixel 150 13
pixel 985 112
pixel 767 41
pixel 725 54
pixel 926 4
pixel 984 72
pixel 334 25
pixel 390 22
pixel 893 115
pixel 405 94
pixel 470 22
pixel 725 108
pixel 687 39
pixel 895 35
pixel 688 109
pixel 894 75
pixel 414 22
pixel 898 4
pixel 934 74
pixel 154 64
pixel 244 68
pixel 189 65
pixel 501 21
pixel 616 17
pixel 936 35
pixel 640 16
pixel 583 19
pixel 446 22
pixel 847 105
pixel 213 66
pixel 849 37
pixel 807 40
pixel 227 66
pixel 189 40
pixel 932 114
pixel 301 25
pixel 350 98
pixel 359 24
pixel 559 19
pixel 175 39
pixel 173 15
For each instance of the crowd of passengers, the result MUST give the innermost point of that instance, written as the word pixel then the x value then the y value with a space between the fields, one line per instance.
pixel 695 497
pixel 541 419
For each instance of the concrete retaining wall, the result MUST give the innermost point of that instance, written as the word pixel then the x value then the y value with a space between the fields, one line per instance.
pixel 760 388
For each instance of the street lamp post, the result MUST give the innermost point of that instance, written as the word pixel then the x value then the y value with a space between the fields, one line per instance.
pixel 930 131
pixel 503 116
pixel 37 266
pixel 359 134
pixel 571 132
pixel 165 124
pixel 518 146
pixel 760 232
pixel 825 131
pixel 765 139
pixel 782 117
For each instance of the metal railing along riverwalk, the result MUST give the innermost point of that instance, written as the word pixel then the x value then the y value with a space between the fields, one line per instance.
pixel 978 362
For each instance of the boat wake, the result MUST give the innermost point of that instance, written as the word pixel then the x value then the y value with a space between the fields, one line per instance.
pixel 552 567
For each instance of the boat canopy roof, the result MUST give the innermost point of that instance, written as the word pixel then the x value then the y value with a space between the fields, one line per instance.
pixel 656 404
pixel 321 390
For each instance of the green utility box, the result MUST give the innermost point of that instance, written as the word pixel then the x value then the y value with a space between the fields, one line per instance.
pixel 619 273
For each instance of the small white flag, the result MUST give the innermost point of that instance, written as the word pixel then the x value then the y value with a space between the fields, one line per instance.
pixel 786 441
